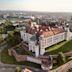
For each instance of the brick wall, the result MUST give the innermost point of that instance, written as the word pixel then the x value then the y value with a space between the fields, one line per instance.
pixel 17 56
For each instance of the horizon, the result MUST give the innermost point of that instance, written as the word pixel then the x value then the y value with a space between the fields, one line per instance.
pixel 37 11
pixel 37 5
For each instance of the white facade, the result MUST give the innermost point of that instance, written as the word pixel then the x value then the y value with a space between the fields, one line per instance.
pixel 32 45
pixel 34 48
pixel 45 42
pixel 25 36
pixel 32 59
pixel 48 41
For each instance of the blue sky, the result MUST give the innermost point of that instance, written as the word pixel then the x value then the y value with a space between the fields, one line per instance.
pixel 37 5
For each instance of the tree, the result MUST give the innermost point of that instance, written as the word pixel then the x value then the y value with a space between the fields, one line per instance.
pixel 8 22
pixel 17 36
pixel 18 69
pixel 1 39
pixel 14 38
pixel 61 58
pixel 9 28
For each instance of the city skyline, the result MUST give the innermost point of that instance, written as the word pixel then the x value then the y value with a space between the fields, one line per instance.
pixel 37 5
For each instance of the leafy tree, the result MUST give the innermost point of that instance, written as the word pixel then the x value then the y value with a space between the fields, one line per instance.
pixel 8 22
pixel 10 40
pixel 14 39
pixel 17 37
pixel 18 69
pixel 2 30
pixel 1 39
pixel 61 58
pixel 9 27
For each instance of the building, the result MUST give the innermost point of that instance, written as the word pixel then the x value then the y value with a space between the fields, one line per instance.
pixel 26 70
pixel 39 37
pixel 70 24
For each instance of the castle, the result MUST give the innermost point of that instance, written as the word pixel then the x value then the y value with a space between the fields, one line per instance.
pixel 41 36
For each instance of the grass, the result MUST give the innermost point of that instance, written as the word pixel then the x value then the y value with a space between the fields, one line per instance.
pixel 56 46
pixel 5 58
pixel 20 51
pixel 64 46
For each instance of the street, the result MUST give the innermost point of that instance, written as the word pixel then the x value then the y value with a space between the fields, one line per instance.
pixel 11 68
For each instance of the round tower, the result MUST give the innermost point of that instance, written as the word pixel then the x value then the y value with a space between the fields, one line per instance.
pixel 67 31
pixel 23 30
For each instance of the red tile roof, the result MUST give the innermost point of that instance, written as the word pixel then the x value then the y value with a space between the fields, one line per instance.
pixel 44 30
pixel 57 30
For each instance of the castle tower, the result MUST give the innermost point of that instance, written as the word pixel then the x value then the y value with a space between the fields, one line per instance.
pixel 67 31
pixel 42 49
pixel 23 30
pixel 70 24
pixel 36 50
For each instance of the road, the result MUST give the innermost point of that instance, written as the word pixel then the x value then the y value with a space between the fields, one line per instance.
pixel 11 68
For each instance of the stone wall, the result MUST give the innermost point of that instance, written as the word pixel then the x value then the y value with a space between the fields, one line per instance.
pixel 23 57
pixel 63 68
pixel 33 59
pixel 17 56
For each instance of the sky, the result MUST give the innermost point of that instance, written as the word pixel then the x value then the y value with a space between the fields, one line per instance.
pixel 37 5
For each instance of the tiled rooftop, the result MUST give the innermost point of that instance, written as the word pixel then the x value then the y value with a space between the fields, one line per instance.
pixel 45 30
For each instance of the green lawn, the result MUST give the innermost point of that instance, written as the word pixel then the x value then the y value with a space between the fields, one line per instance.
pixel 64 46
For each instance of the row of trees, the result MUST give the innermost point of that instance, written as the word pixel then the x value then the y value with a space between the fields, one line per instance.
pixel 7 26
